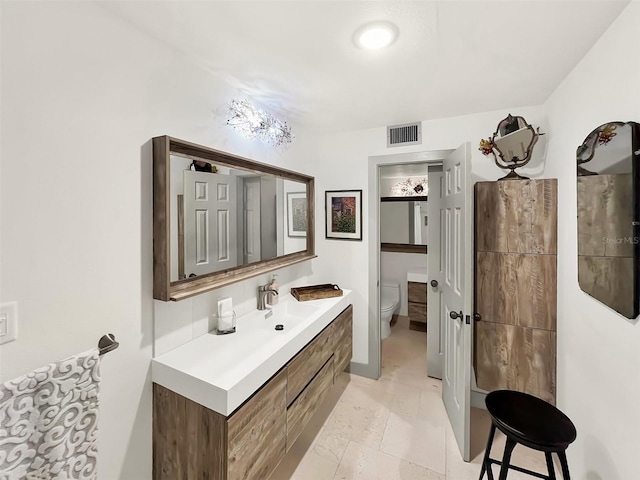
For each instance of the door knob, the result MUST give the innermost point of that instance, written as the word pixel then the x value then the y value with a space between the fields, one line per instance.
pixel 456 315
pixel 477 317
pixel 434 283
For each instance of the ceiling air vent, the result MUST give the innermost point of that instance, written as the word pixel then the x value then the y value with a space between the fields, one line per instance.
pixel 407 134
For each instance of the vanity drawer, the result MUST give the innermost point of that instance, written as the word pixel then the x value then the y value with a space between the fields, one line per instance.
pixel 303 408
pixel 308 361
pixel 417 292
pixel 257 432
pixel 417 313
pixel 344 344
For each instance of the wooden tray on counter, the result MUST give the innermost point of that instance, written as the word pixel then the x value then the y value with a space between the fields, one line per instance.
pixel 315 292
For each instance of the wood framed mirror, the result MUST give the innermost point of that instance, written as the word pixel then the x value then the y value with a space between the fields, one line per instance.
pixel 608 191
pixel 219 218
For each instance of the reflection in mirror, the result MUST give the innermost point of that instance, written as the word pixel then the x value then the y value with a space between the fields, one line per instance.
pixel 403 207
pixel 223 218
pixel 608 216
pixel 403 221
pixel 228 218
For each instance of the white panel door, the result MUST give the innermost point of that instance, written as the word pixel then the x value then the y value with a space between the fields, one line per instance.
pixel 209 222
pixel 457 293
pixel 252 245
pixel 435 305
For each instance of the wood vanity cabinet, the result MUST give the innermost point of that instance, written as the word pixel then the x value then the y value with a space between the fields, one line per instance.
pixel 312 372
pixel 417 302
pixel 192 441
pixel 343 350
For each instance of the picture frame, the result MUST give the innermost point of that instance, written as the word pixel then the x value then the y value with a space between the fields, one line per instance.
pixel 297 214
pixel 343 214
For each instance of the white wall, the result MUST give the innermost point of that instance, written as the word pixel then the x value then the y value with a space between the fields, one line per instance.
pixel 82 94
pixel 598 349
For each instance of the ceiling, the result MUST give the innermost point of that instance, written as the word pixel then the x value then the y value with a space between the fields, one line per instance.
pixel 298 60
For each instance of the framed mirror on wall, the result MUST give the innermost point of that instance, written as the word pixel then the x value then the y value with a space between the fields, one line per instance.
pixel 403 207
pixel 403 224
pixel 608 191
pixel 220 218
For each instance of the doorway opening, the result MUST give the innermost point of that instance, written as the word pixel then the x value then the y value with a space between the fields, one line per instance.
pixel 451 279
pixel 394 166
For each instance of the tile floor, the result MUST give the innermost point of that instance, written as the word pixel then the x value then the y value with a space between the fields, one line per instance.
pixel 394 428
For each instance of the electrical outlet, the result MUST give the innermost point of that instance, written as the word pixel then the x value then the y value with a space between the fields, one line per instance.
pixel 8 322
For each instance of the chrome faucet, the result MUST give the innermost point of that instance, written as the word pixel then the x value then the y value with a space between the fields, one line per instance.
pixel 263 291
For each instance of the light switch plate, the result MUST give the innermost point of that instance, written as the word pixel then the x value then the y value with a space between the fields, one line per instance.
pixel 8 322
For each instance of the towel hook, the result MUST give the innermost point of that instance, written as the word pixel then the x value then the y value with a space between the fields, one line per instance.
pixel 107 343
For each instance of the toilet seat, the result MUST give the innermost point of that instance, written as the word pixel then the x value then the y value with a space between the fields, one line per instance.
pixel 387 303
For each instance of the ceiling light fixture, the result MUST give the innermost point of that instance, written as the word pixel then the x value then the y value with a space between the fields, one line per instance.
pixel 252 122
pixel 376 35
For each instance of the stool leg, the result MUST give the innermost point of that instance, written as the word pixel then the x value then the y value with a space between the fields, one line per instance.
pixel 552 471
pixel 506 458
pixel 485 462
pixel 565 465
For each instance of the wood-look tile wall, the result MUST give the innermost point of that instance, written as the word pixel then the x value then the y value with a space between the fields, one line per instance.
pixel 516 286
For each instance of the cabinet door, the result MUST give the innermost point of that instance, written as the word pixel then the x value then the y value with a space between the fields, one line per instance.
pixel 257 432
pixel 417 313
pixel 516 286
pixel 189 440
pixel 306 404
pixel 417 292
pixel 344 340
pixel 309 361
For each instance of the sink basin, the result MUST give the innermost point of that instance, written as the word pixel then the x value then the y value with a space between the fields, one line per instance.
pixel 289 313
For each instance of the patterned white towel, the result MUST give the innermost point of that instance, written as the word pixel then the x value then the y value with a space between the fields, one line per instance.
pixel 49 421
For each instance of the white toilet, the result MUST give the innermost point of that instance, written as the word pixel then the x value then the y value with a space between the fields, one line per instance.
pixel 389 304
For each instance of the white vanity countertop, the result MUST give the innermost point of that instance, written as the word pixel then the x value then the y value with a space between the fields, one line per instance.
pixel 222 371
pixel 417 274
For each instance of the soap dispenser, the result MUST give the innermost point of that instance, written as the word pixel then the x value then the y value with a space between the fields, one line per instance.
pixel 271 298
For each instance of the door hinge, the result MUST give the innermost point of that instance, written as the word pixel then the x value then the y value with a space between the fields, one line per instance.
pixel 467 319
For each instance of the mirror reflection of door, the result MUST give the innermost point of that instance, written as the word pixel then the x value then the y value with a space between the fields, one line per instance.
pixel 251 215
pixel 210 242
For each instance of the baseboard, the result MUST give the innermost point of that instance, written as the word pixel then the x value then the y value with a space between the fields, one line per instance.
pixel 363 370
pixel 477 399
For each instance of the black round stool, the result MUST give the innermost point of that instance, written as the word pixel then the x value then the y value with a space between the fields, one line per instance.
pixel 532 422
